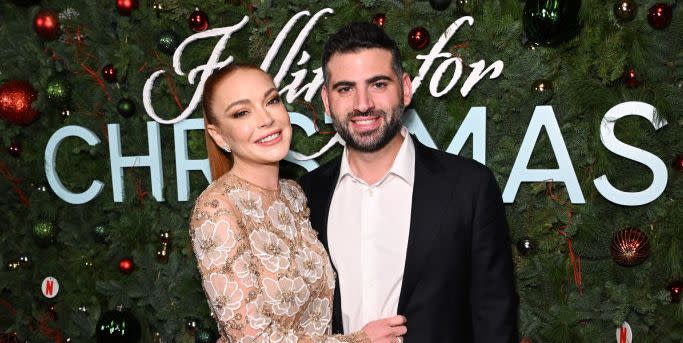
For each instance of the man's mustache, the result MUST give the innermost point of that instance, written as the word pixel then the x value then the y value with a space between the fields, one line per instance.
pixel 369 113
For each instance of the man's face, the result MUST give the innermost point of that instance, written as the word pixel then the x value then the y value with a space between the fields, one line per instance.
pixel 365 98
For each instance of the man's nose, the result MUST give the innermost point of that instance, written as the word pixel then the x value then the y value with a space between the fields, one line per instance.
pixel 364 101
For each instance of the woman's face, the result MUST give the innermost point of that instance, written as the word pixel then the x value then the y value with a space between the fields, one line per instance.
pixel 250 118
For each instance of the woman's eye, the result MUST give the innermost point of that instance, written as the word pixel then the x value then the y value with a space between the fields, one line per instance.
pixel 275 100
pixel 241 113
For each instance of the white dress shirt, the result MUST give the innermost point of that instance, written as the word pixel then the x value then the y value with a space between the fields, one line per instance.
pixel 367 232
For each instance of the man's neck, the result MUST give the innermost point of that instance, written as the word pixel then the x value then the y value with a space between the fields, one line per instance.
pixel 372 166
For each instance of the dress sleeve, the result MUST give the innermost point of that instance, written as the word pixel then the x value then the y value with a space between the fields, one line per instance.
pixel 236 282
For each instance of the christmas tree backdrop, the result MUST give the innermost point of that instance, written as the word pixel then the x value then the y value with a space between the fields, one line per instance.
pixel 125 269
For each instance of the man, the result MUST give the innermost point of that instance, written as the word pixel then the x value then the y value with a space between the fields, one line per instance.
pixel 410 230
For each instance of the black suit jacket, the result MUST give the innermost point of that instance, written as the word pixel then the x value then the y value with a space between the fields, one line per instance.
pixel 458 283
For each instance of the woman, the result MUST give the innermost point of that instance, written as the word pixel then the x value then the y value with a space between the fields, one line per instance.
pixel 265 274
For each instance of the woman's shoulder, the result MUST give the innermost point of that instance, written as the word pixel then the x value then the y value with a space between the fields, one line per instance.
pixel 214 200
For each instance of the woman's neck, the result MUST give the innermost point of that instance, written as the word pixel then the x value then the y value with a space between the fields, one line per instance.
pixel 262 175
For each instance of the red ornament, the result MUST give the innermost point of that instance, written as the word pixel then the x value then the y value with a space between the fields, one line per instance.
pixel 630 247
pixel 630 78
pixel 675 288
pixel 418 38
pixel 126 265
pixel 109 73
pixel 678 163
pixel 659 16
pixel 14 149
pixel 16 100
pixel 46 24
pixel 198 20
pixel 126 7
pixel 379 19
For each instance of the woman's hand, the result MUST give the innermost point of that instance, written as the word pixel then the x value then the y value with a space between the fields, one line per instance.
pixel 387 330
pixel 220 340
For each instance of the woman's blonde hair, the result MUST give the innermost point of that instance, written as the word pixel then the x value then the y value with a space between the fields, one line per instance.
pixel 220 161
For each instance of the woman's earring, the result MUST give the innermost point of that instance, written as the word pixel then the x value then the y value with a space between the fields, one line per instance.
pixel 226 148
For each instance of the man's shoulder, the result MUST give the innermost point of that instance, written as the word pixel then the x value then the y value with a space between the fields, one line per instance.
pixel 449 163
pixel 325 173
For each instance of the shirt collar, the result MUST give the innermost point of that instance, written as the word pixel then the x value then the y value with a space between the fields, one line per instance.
pixel 403 166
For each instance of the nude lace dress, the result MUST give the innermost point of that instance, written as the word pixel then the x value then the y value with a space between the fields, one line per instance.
pixel 266 275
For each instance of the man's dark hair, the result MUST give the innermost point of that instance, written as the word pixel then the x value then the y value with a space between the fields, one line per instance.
pixel 357 36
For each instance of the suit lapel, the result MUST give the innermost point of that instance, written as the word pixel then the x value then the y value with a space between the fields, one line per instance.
pixel 425 219
pixel 327 186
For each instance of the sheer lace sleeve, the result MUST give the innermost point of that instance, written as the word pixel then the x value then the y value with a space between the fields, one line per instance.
pixel 250 278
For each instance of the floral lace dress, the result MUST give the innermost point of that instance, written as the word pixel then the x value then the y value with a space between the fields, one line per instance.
pixel 266 276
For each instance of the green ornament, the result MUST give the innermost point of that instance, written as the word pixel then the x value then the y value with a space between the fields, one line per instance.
pixel 204 336
pixel 58 90
pixel 118 326
pixel 550 22
pixel 101 234
pixel 168 41
pixel 45 232
pixel 624 10
pixel 126 108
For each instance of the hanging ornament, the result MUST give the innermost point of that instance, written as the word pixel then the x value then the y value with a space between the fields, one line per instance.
pixel 379 19
pixel 204 336
pixel 440 5
pixel 624 10
pixel 630 78
pixel 549 22
pixel 14 149
pixel 168 41
pixel 191 325
pixel 109 73
pixel 45 233
pixel 126 7
pixel 659 16
pixel 675 288
pixel 16 101
pixel 464 7
pixel 198 20
pixel 678 162
pixel 624 333
pixel 126 107
pixel 630 247
pixel 526 246
pixel 101 234
pixel 126 265
pixel 65 113
pixel 46 24
pixel 58 90
pixel 117 326
pixel 50 287
pixel 418 38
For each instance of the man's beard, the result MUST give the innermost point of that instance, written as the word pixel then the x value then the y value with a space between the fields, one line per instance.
pixel 384 134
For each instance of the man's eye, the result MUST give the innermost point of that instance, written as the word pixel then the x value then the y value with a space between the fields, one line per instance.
pixel 380 85
pixel 343 89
